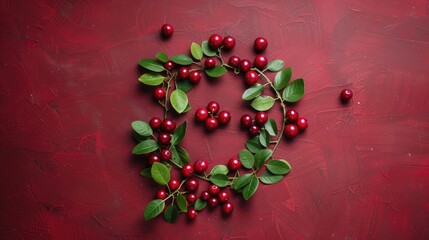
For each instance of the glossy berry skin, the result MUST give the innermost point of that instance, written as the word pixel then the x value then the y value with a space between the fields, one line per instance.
pixel 223 196
pixel 209 63
pixel 292 115
pixel 227 208
pixel 260 62
pixel 254 130
pixel 191 198
pixel 169 65
pixel 261 118
pixel 166 154
pixel 168 125
pixel 215 41
pixel 173 184
pixel 183 73
pixel 301 123
pixel 224 117
pixel 260 44
pixel 159 93
pixel 211 123
pixel 167 30
pixel 246 121
pixel 192 185
pixel 191 214
pixel 214 190
pixel 291 130
pixel 245 65
pixel 187 170
pixel 155 123
pixel 195 77
pixel 213 107
pixel 213 202
pixel 234 61
pixel 154 157
pixel 201 114
pixel 164 138
pixel 346 94
pixel 161 194
pixel 228 42
pixel 234 164
pixel 251 78
pixel 200 166
pixel 205 196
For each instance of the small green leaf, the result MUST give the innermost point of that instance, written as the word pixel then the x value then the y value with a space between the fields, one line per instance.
pixel 263 103
pixel 271 127
pixel 275 65
pixel 181 203
pixel 294 91
pixel 139 137
pixel 146 173
pixel 220 180
pixel 179 100
pixel 253 92
pixel 184 156
pixel 246 159
pixel 207 50
pixel 200 204
pixel 282 78
pixel 146 146
pixel 152 65
pixel 278 166
pixel 217 71
pixel 171 214
pixel 269 178
pixel 251 188
pixel 261 156
pixel 178 134
pixel 153 209
pixel 196 51
pixel 182 59
pixel 219 169
pixel 184 85
pixel 242 181
pixel 162 57
pixel 264 138
pixel 253 145
pixel 160 173
pixel 152 79
pixel 142 128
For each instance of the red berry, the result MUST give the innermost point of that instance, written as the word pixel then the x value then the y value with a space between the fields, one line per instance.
pixel 173 184
pixel 167 30
pixel 261 118
pixel 195 77
pixel 246 121
pixel 215 41
pixel 290 130
pixel 159 93
pixel 191 214
pixel 183 73
pixel 301 123
pixel 228 43
pixel 224 117
pixel 251 78
pixel 166 154
pixel 211 123
pixel 209 63
pixel 260 44
pixel 155 122
pixel 214 189
pixel 346 94
pixel 292 115
pixel 164 138
pixel 191 198
pixel 201 114
pixel 260 61
pixel 200 166
pixel 227 208
pixel 161 194
pixel 223 196
pixel 254 130
pixel 234 61
pixel 213 107
pixel 168 125
pixel 213 202
pixel 205 195
pixel 245 65
pixel 234 164
pixel 187 170
pixel 154 157
pixel 169 65
pixel 192 185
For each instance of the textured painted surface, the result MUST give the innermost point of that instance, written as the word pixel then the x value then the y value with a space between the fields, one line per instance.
pixel 69 91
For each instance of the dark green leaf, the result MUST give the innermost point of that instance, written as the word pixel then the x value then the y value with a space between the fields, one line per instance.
pixel 253 92
pixel 171 214
pixel 263 103
pixel 145 146
pixel 139 137
pixel 269 178
pixel 142 128
pixel 217 71
pixel 153 209
pixel 146 173
pixel 200 204
pixel 207 50
pixel 151 65
pixel 182 59
pixel 253 145
pixel 220 180
pixel 282 78
pixel 184 156
pixel 179 100
pixel 251 188
pixel 246 159
pixel 264 138
pixel 219 169
pixel 162 57
pixel 152 79
pixel 178 134
pixel 160 173
pixel 242 181
pixel 278 166
pixel 196 51
pixel 181 203
pixel 175 157
pixel 271 127
pixel 294 91
pixel 261 156
pixel 184 85
pixel 275 65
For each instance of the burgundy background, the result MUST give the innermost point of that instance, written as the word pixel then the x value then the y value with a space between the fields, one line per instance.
pixel 69 92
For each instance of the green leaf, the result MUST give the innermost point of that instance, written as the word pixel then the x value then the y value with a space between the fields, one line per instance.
pixel 179 100
pixel 275 65
pixel 220 180
pixel 175 157
pixel 269 178
pixel 178 134
pixel 152 65
pixel 278 166
pixel 264 138
pixel 196 51
pixel 294 91
pixel 207 50
pixel 184 156
pixel 253 92
pixel 253 145
pixel 271 127
pixel 153 209
pixel 217 71
pixel 251 188
pixel 181 203
pixel 282 78
pixel 146 146
pixel 152 79
pixel 139 137
pixel 142 128
pixel 184 85
pixel 160 173
pixel 182 59
pixel 200 204
pixel 219 169
pixel 261 156
pixel 246 159
pixel 171 214
pixel 263 103
pixel 162 57
pixel 242 181
pixel 187 109
pixel 146 173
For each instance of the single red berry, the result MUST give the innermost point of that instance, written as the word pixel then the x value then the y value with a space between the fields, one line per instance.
pixel 201 114
pixel 292 115
pixel 234 61
pixel 192 185
pixel 166 154
pixel 213 202
pixel 254 130
pixel 164 138
pixel 205 195
pixel 346 94
pixel 245 65
pixel 191 214
pixel 260 44
pixel 191 198
pixel 215 41
pixel 261 118
pixel 183 73
pixel 234 164
pixel 213 107
pixel 167 30
pixel 168 125
pixel 173 184
pixel 161 194
pixel 290 130
pixel 154 157
pixel 224 117
pixel 209 63
pixel 214 190
pixel 301 123
pixel 159 93
pixel 251 78
pixel 195 77
pixel 260 62
pixel 228 43
pixel 169 65
pixel 200 166
pixel 187 170
pixel 246 121
pixel 211 123
pixel 227 208
pixel 223 196
pixel 155 122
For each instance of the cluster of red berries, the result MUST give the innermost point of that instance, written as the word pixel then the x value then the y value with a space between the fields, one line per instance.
pixel 294 124
pixel 165 128
pixel 211 116
pixel 254 126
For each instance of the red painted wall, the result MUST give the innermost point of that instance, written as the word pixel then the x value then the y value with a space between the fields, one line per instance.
pixel 69 92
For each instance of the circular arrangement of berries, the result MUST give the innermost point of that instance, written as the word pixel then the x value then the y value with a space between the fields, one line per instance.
pixel 159 138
